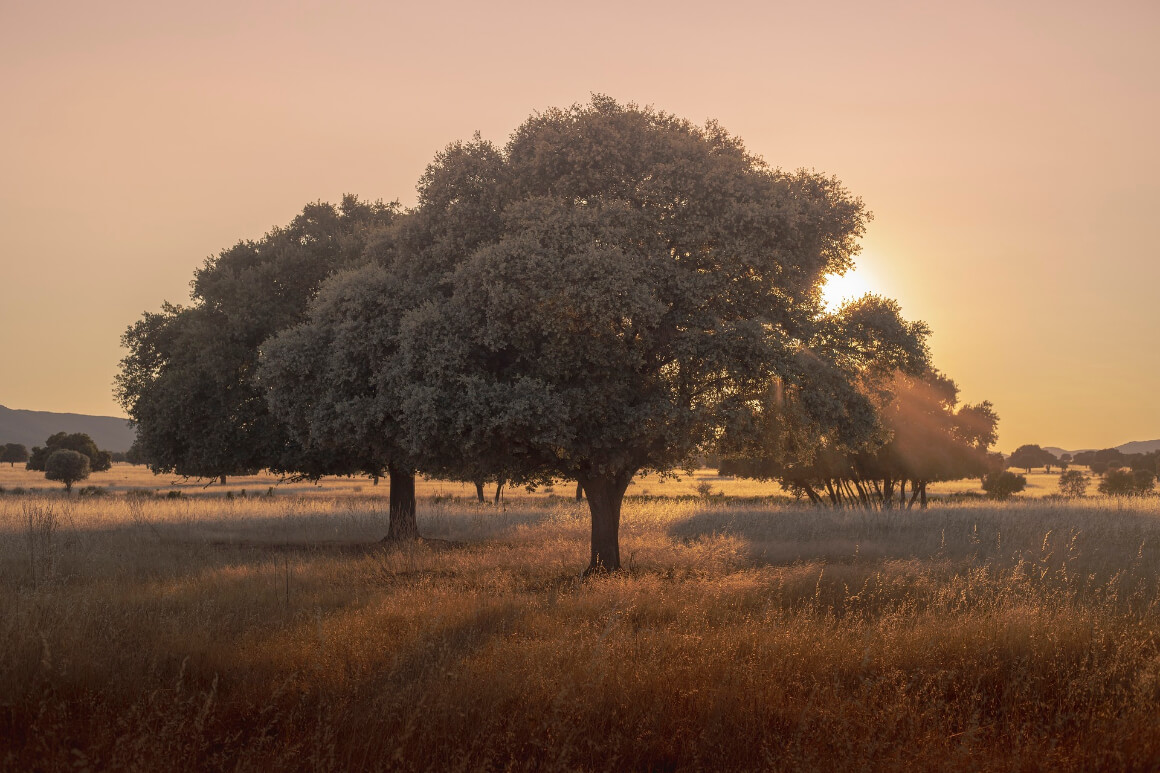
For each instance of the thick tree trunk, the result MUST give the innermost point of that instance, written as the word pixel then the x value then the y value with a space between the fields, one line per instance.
pixel 902 493
pixel 922 495
pixel 479 489
pixel 605 496
pixel 579 491
pixel 499 491
pixel 402 524
pixel 222 480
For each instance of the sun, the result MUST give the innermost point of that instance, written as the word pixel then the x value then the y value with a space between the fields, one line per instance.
pixel 855 283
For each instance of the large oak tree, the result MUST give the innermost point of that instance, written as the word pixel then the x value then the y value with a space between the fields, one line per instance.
pixel 649 279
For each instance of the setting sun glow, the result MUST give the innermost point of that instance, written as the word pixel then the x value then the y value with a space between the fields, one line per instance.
pixel 853 284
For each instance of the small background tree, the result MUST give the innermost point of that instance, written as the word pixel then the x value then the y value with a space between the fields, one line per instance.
pixel 99 460
pixel 1002 485
pixel 1029 456
pixel 67 467
pixel 1073 484
pixel 13 453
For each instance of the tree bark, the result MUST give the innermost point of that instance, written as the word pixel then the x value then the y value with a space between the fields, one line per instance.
pixel 479 489
pixel 222 480
pixel 605 496
pixel 498 491
pixel 579 491
pixel 922 495
pixel 402 524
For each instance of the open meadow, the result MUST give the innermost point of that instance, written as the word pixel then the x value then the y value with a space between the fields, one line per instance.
pixel 124 478
pixel 278 633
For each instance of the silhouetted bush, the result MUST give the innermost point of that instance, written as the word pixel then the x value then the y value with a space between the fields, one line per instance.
pixel 1125 483
pixel 1001 485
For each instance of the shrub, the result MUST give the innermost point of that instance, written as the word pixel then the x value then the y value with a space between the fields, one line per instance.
pixel 1073 483
pixel 1125 483
pixel 1001 485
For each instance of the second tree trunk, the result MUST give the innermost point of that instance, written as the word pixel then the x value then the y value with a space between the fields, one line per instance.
pixel 402 524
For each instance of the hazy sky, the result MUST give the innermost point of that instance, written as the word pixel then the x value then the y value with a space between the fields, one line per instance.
pixel 1009 152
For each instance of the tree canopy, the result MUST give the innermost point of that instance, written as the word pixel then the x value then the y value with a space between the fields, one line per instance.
pixel 648 279
pixel 189 382
pixel 99 460
pixel 1029 456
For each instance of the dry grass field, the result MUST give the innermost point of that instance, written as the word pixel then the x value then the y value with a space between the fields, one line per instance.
pixel 277 633
pixel 126 477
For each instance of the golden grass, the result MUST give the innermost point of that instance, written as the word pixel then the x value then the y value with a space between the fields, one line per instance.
pixel 277 633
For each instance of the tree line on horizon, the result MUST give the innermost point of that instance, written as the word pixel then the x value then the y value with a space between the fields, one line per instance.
pixel 614 291
pixel 1121 474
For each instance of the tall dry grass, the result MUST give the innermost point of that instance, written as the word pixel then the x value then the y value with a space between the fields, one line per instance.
pixel 278 634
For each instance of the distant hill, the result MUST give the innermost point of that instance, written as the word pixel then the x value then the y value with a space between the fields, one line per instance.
pixel 1134 447
pixel 31 428
pixel 1140 447
pixel 1057 452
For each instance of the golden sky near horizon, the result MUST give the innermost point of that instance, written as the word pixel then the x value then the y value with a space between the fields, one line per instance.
pixel 1008 151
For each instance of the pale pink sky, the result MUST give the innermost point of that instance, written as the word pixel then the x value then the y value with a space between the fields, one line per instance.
pixel 1009 153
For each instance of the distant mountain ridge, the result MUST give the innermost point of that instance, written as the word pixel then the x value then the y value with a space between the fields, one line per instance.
pixel 1133 447
pixel 32 428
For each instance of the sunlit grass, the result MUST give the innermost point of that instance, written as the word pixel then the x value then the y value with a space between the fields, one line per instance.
pixel 278 633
